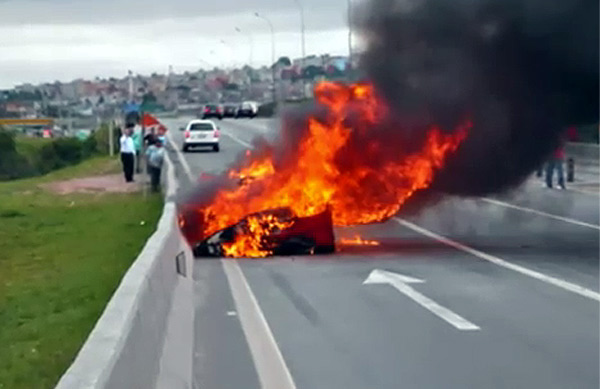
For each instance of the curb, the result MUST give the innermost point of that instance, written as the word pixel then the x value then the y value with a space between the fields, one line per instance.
pixel 142 339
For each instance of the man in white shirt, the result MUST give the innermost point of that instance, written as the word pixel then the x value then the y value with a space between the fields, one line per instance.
pixel 127 153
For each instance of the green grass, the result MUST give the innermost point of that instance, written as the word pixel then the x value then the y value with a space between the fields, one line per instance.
pixel 61 258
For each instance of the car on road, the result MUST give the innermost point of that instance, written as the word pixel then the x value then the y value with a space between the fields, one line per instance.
pixel 230 110
pixel 247 109
pixel 201 133
pixel 212 111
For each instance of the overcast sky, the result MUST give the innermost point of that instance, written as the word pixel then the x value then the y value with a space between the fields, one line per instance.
pixel 48 40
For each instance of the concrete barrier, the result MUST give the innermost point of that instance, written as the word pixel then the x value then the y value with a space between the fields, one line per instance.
pixel 144 338
pixel 586 157
pixel 587 151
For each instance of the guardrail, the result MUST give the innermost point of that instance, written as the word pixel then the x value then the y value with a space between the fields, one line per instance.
pixel 144 338
pixel 586 151
pixel 584 160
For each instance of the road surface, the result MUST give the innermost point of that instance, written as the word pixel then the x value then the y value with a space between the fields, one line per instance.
pixel 479 293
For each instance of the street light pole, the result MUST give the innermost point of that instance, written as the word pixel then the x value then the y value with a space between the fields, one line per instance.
pixel 272 50
pixel 302 29
pixel 251 45
pixel 350 33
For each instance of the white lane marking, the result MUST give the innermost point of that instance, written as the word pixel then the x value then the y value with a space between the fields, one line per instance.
pixel 238 140
pixel 568 286
pixel 273 372
pixel 231 313
pixel 271 368
pixel 583 191
pixel 184 163
pixel 378 276
pixel 540 213
pixel 400 282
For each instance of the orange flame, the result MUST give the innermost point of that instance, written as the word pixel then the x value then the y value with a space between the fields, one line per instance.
pixel 314 180
pixel 249 243
pixel 358 241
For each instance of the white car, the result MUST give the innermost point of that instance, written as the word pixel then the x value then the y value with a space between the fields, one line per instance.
pixel 201 133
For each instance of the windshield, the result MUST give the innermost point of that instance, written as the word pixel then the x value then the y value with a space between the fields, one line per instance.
pixel 201 127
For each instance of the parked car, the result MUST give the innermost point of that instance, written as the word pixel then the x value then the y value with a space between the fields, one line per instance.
pixel 212 111
pixel 230 110
pixel 201 133
pixel 247 109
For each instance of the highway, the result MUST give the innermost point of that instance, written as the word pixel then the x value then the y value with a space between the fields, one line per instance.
pixel 471 293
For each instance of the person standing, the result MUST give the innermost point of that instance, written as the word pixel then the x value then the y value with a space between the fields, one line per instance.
pixel 136 135
pixel 556 162
pixel 155 155
pixel 127 153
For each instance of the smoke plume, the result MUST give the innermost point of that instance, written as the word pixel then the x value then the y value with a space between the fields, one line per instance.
pixel 523 70
pixel 512 73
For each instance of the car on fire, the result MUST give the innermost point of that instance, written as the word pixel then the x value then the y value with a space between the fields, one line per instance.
pixel 281 231
pixel 201 133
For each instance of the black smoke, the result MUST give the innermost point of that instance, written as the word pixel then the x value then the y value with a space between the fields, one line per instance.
pixel 522 70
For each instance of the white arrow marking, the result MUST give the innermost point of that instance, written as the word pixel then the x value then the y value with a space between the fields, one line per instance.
pixel 400 282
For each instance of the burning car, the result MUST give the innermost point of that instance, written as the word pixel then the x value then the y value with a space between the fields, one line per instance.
pixel 271 232
pixel 335 172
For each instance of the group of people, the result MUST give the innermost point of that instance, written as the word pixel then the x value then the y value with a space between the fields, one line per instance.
pixel 130 147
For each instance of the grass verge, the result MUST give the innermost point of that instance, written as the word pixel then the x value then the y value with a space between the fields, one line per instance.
pixel 61 258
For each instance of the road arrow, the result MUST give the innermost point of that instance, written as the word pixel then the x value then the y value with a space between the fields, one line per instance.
pixel 400 282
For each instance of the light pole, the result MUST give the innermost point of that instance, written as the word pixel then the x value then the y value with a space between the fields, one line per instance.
pixel 350 33
pixel 303 43
pixel 251 45
pixel 272 49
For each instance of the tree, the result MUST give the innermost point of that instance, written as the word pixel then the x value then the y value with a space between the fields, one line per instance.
pixel 312 71
pixel 149 98
pixel 284 61
pixel 231 86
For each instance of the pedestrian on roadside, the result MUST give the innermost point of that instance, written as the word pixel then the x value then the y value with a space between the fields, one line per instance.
pixel 155 154
pixel 540 170
pixel 137 142
pixel 149 140
pixel 556 162
pixel 127 153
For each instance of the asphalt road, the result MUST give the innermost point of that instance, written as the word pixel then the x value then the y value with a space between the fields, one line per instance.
pixel 508 296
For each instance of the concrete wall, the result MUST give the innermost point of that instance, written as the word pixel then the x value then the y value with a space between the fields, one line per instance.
pixel 144 337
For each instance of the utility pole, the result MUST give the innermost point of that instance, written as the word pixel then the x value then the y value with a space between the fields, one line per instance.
pixel 350 33
pixel 272 51
pixel 111 130
pixel 130 74
pixel 302 29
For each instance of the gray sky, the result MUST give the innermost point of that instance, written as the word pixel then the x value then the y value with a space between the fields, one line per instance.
pixel 46 40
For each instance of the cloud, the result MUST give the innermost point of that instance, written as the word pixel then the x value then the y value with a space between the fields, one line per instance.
pixel 134 11
pixel 44 40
